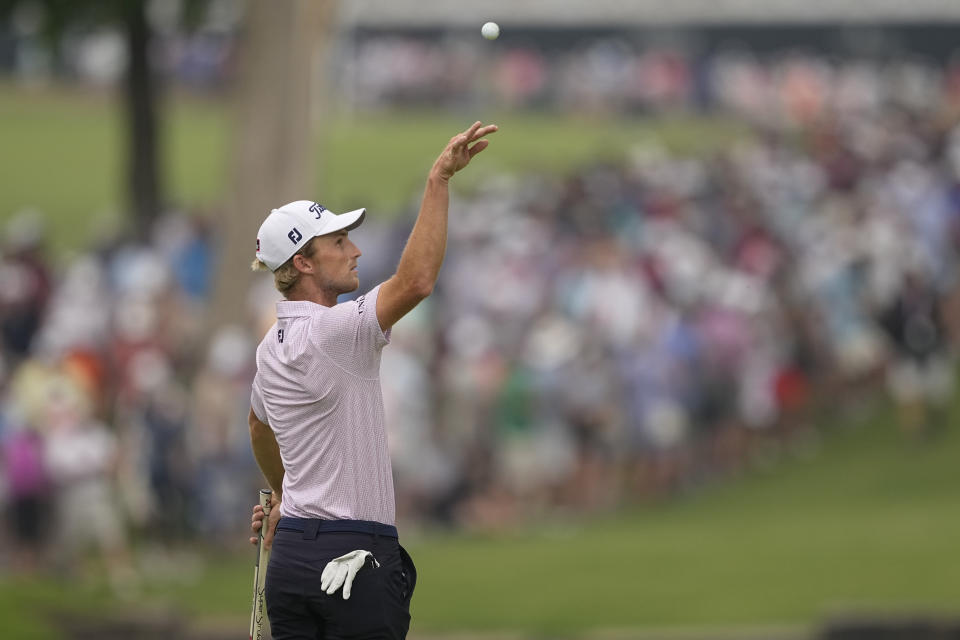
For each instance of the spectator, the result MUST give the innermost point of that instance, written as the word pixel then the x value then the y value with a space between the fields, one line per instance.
pixel 920 372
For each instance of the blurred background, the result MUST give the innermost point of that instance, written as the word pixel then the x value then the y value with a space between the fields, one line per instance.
pixel 689 371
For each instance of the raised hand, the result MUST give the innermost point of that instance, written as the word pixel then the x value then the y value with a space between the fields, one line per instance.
pixel 459 151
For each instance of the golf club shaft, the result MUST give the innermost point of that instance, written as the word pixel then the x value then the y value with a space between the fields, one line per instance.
pixel 258 612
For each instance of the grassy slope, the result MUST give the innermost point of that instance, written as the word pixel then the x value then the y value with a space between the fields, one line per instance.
pixel 64 152
pixel 871 523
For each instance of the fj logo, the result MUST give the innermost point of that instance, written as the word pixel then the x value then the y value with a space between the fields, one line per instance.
pixel 280 335
pixel 295 236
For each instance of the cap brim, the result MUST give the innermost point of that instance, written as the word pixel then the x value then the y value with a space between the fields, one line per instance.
pixel 349 221
pixel 356 218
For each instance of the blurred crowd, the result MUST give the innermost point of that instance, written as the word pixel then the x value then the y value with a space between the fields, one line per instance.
pixel 122 416
pixel 620 72
pixel 619 333
pixel 635 329
pixel 630 74
pixel 639 327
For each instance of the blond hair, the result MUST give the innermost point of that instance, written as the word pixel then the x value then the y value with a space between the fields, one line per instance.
pixel 286 276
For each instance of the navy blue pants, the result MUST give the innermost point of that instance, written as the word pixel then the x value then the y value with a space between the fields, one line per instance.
pixel 379 604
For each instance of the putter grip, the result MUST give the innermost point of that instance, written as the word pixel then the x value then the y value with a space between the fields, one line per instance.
pixel 258 612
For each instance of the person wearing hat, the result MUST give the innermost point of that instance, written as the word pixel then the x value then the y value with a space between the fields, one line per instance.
pixel 317 420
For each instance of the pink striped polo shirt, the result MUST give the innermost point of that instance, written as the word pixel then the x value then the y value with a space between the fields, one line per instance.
pixel 318 387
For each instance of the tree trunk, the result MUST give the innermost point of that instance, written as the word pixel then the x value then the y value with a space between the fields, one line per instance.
pixel 140 93
pixel 273 155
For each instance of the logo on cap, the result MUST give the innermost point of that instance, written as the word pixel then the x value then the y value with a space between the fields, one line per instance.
pixel 317 209
pixel 295 236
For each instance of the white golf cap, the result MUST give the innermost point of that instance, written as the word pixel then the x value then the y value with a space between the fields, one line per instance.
pixel 291 226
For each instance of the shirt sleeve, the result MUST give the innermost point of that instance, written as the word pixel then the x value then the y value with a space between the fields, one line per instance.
pixel 371 332
pixel 351 336
pixel 256 401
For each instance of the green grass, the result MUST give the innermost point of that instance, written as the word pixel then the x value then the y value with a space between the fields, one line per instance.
pixel 871 523
pixel 62 157
pixel 64 152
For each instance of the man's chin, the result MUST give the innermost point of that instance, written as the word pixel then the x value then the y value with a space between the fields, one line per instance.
pixel 351 286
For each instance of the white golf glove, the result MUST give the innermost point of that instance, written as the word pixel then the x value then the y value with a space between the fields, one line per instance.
pixel 342 570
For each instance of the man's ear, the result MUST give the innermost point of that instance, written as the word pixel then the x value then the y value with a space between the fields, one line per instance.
pixel 302 264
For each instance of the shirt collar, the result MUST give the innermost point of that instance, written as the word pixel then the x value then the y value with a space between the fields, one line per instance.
pixel 297 308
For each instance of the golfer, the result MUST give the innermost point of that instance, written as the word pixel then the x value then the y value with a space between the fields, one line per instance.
pixel 317 422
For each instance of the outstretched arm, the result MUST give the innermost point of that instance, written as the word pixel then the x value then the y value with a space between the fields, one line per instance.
pixel 422 257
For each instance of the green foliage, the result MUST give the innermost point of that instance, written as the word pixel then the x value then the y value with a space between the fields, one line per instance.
pixel 58 17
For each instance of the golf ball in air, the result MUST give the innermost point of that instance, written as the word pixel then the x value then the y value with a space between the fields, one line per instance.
pixel 490 30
